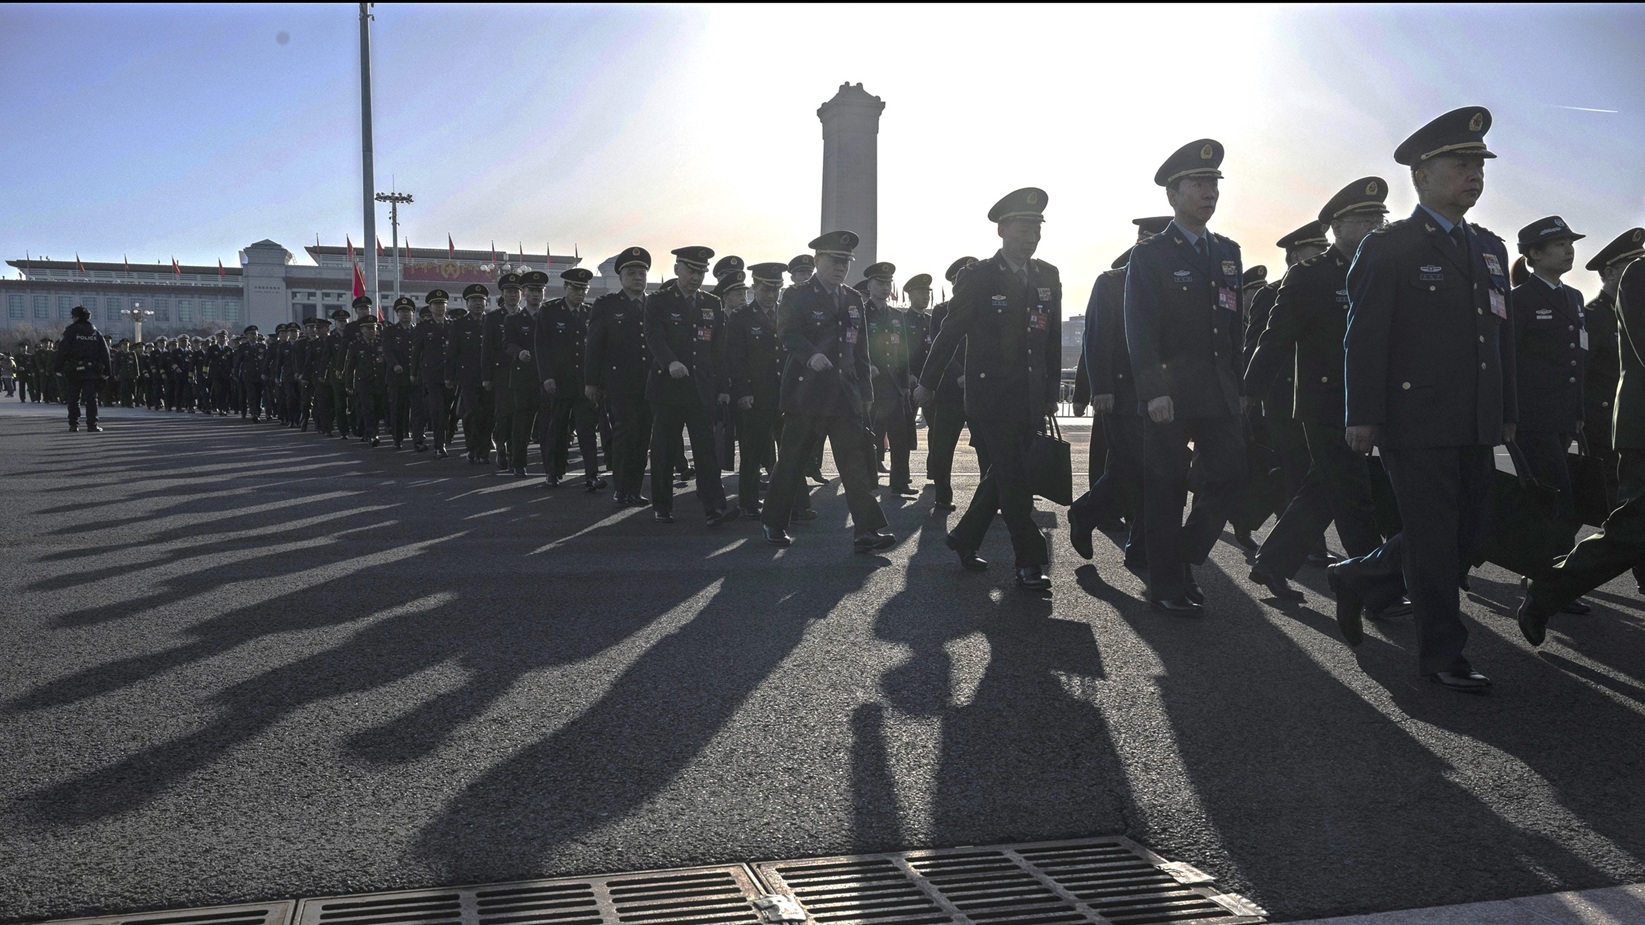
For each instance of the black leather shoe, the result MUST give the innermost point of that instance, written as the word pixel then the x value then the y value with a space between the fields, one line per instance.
pixel 1179 606
pixel 777 536
pixel 1243 537
pixel 662 517
pixel 639 500
pixel 1463 682
pixel 873 542
pixel 1111 525
pixel 1349 603
pixel 904 489
pixel 519 472
pixel 803 515
pixel 619 499
pixel 724 516
pixel 1190 587
pixel 681 483
pixel 594 484
pixel 74 428
pixel 751 509
pixel 1400 608
pixel 375 442
pixel 1322 560
pixel 1277 586
pixel 550 481
pixel 440 451
pixel 1079 534
pixel 1577 605
pixel 944 506
pixel 420 447
pixel 1030 578
pixel 816 475
pixel 1534 627
pixel 96 429
pixel 969 560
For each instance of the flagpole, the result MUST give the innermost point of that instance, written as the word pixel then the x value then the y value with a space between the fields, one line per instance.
pixel 370 182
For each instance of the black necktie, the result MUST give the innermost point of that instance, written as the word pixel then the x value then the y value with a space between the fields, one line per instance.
pixel 1204 250
pixel 1459 238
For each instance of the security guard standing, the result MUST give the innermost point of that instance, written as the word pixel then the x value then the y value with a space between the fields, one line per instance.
pixel 1009 311
pixel 1429 363
pixel 945 407
pixel 466 374
pixel 83 362
pixel 1604 366
pixel 825 393
pixel 561 349
pixel 495 364
pixel 429 342
pixel 615 365
pixel 754 356
pixel 1182 324
pixel 685 333
pixel 1304 332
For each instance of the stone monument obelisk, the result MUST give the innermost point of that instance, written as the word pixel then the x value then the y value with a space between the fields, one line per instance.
pixel 850 185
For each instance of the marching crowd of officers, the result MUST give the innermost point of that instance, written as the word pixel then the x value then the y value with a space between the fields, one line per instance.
pixel 1418 339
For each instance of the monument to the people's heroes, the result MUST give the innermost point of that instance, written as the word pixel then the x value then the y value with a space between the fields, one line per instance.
pixel 850 184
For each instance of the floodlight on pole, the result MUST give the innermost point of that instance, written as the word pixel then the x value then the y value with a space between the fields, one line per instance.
pixel 394 199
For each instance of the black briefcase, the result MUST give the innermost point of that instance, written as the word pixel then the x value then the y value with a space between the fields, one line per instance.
pixel 1590 490
pixel 1050 465
pixel 1521 530
pixel 1264 495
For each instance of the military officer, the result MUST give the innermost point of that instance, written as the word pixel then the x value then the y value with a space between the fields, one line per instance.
pixel 685 333
pixel 249 361
pixel 825 393
pixel 128 367
pixel 1112 391
pixel 917 321
pixel 1604 357
pixel 366 370
pixel 945 408
pixel 429 342
pixel 562 347
pixel 1303 332
pixel 888 357
pixel 291 374
pixel 465 372
pixel 404 411
pixel 516 382
pixel 313 370
pixel 801 268
pixel 726 268
pixel 1008 309
pixel 1429 366
pixel 363 309
pixel 615 365
pixel 1628 419
pixel 754 356
pixel 1182 326
pixel 343 334
pixel 495 364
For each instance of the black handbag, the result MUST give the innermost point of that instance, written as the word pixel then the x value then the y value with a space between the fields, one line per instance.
pixel 1521 529
pixel 1050 465
pixel 1590 490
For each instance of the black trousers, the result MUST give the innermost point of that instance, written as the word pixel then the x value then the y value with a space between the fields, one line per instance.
pixel 1117 491
pixel 474 403
pixel 1218 459
pixel 944 419
pixel 756 442
pixel 1544 454
pixel 252 389
pixel 1617 547
pixel 698 421
pixel 78 390
pixel 892 427
pixel 401 401
pixel 802 435
pixel 630 438
pixel 1337 487
pixel 1441 494
pixel 570 412
pixel 516 424
pixel 1004 489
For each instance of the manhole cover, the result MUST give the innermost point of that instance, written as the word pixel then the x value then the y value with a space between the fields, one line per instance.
pixel 275 913
pixel 695 896
pixel 1107 880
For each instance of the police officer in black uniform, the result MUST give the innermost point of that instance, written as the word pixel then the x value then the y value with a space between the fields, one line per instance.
pixel 615 365
pixel 1429 364
pixel 1008 309
pixel 945 406
pixel 82 359
pixel 562 347
pixel 685 333
pixel 1303 332
pixel 825 393
pixel 754 355
pixel 1182 324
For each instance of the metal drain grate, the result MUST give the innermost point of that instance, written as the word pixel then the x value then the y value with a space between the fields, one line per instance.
pixel 275 913
pixel 1107 880
pixel 689 896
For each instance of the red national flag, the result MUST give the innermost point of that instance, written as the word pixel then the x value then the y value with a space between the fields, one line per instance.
pixel 176 267
pixel 219 268
pixel 77 262
pixel 127 261
pixel 359 283
pixel 380 251
pixel 350 245
pixel 451 247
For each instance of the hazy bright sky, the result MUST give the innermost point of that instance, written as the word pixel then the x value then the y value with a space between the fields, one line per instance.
pixel 192 131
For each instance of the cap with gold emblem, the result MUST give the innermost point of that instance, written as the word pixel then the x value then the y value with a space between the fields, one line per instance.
pixel 1367 194
pixel 696 257
pixel 476 289
pixel 368 321
pixel 577 277
pixel 1028 202
pixel 730 284
pixel 361 301
pixel 727 265
pixel 958 265
pixel 509 281
pixel 1460 132
pixel 340 314
pixel 1625 246
pixel 439 295
pixel 1309 235
pixel 835 243
pixel 633 256
pixel 1255 276
pixel 534 278
pixel 768 272
pixel 919 282
pixel 1552 228
pixel 1194 159
pixel 882 270
pixel 803 260
pixel 405 303
pixel 1153 224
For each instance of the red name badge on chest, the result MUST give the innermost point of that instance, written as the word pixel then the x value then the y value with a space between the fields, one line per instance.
pixel 1227 299
pixel 850 335
pixel 1499 304
pixel 705 332
pixel 1039 321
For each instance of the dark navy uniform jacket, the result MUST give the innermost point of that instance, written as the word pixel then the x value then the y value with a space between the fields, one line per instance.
pixel 465 354
pixel 1107 358
pixel 1013 340
pixel 1304 333
pixel 888 338
pixel 397 352
pixel 249 358
pixel 810 321
pixel 1604 365
pixel 519 333
pixel 1628 419
pixel 687 329
pixel 1276 394
pixel 1183 324
pixel 1429 352
pixel 493 363
pixel 1550 346
pixel 616 358
pixel 83 354
pixel 948 388
pixel 754 353
pixel 561 345
pixel 428 350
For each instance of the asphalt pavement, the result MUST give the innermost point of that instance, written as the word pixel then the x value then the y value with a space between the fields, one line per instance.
pixel 245 663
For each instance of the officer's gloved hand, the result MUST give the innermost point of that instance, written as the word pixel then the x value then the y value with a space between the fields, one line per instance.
pixel 746 402
pixel 678 370
pixel 591 392
pixel 1102 404
pixel 548 386
pixel 1160 410
pixel 921 395
pixel 820 363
